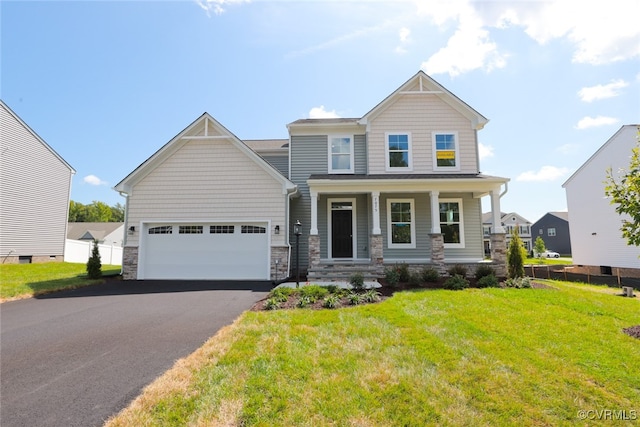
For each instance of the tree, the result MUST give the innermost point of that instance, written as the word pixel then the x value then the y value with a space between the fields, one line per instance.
pixel 516 254
pixel 539 247
pixel 95 212
pixel 626 195
pixel 94 264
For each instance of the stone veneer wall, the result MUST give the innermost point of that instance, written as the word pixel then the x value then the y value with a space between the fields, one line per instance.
pixel 437 252
pixel 279 271
pixel 314 250
pixel 130 263
pixel 376 250
pixel 499 253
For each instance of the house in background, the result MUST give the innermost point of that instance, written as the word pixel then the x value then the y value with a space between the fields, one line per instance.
pixel 35 185
pixel 107 233
pixel 594 225
pixel 400 184
pixel 553 228
pixel 509 221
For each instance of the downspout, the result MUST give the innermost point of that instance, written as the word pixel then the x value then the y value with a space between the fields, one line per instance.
pixel 126 227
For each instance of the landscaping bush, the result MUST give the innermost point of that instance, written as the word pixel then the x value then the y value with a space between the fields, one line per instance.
pixel 314 292
pixel 391 276
pixel 484 270
pixel 430 274
pixel 457 270
pixel 489 281
pixel 94 264
pixel 456 283
pixel 271 304
pixel 282 294
pixel 354 298
pixel 304 301
pixel 518 282
pixel 357 281
pixel 371 296
pixel 403 272
pixel 415 279
pixel 331 301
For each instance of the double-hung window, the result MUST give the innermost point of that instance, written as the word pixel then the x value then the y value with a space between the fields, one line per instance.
pixel 451 222
pixel 340 154
pixel 398 152
pixel 401 230
pixel 446 155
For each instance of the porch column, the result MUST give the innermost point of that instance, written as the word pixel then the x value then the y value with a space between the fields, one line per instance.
pixel 375 212
pixel 495 211
pixel 314 214
pixel 375 242
pixel 435 212
pixel 437 240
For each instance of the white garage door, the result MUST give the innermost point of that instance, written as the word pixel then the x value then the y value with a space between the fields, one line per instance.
pixel 237 251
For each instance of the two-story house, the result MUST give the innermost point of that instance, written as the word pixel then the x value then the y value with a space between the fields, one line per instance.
pixel 553 229
pixel 510 222
pixel 400 184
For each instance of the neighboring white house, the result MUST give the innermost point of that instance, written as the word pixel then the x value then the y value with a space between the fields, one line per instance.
pixel 594 225
pixel 35 184
pixel 509 221
pixel 106 233
pixel 206 206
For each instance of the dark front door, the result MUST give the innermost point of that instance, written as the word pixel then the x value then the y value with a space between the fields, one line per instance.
pixel 341 233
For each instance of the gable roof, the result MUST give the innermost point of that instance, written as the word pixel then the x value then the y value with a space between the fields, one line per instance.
pixel 91 230
pixel 610 141
pixel 35 135
pixel 427 85
pixel 207 123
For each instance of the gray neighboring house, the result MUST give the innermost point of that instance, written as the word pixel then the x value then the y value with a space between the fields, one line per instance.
pixel 35 186
pixel 553 227
pixel 106 233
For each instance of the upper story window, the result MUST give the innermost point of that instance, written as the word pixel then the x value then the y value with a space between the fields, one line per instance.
pixel 524 230
pixel 551 232
pixel 451 223
pixel 446 154
pixel 340 154
pixel 398 152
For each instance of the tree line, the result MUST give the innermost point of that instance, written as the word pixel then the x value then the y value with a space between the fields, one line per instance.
pixel 95 212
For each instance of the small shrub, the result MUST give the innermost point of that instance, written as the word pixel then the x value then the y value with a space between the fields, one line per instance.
pixel 456 283
pixel 94 264
pixel 489 281
pixel 331 301
pixel 457 270
pixel 518 282
pixel 354 298
pixel 430 274
pixel 371 296
pixel 357 281
pixel 282 294
pixel 484 270
pixel 271 304
pixel 333 289
pixel 392 277
pixel 314 292
pixel 415 279
pixel 304 302
pixel 403 272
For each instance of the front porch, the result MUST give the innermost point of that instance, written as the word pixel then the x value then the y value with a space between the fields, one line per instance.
pixel 356 231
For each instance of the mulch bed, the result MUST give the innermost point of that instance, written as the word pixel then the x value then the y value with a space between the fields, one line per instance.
pixel 633 331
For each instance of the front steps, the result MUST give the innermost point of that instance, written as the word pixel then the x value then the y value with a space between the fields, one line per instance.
pixel 341 272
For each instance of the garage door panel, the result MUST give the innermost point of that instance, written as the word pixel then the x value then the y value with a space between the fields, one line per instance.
pixel 210 256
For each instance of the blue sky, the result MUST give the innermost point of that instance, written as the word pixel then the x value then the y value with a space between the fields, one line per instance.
pixel 107 83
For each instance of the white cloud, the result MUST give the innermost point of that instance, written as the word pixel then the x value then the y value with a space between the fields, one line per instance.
pixel 218 6
pixel 589 122
pixel 567 148
pixel 546 173
pixel 321 113
pixel 94 180
pixel 593 93
pixel 405 39
pixel 485 151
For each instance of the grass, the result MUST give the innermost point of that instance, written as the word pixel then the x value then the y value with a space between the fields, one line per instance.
pixel 548 261
pixel 433 357
pixel 25 280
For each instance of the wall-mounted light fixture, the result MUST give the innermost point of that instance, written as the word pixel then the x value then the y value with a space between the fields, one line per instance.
pixel 277 229
pixel 132 229
pixel 594 233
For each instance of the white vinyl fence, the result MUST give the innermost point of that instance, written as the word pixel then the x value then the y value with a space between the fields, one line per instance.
pixel 80 251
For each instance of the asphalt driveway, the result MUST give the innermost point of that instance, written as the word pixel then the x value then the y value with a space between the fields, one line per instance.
pixel 74 358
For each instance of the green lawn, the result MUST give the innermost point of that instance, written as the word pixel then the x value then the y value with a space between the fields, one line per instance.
pixel 433 357
pixel 548 261
pixel 25 280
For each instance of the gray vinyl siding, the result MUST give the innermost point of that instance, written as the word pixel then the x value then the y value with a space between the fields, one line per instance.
pixel 360 154
pixel 308 156
pixel 281 163
pixel 34 192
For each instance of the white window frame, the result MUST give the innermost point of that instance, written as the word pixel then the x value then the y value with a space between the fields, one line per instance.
pixel 460 208
pixel 435 151
pixel 389 168
pixel 390 243
pixel 351 155
pixel 551 232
